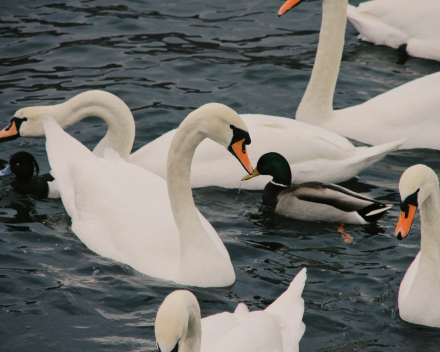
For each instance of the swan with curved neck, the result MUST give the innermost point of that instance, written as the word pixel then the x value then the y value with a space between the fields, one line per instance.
pixel 312 152
pixel 410 111
pixel 420 288
pixel 278 328
pixel 28 122
pixel 121 211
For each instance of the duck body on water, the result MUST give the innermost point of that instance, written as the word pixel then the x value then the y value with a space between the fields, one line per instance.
pixel 313 201
pixel 23 165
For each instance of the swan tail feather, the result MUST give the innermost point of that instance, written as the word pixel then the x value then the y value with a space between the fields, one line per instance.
pixel 289 311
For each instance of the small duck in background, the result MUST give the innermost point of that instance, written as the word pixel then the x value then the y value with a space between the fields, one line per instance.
pixel 313 201
pixel 23 165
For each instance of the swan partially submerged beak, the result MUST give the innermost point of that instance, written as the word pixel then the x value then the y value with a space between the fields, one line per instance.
pixel 405 222
pixel 239 150
pixel 254 174
pixel 11 131
pixel 288 5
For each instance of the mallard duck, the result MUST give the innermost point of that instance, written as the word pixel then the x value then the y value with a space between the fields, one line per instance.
pixel 313 201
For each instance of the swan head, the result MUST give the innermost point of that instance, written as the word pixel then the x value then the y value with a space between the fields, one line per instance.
pixel 416 184
pixel 178 323
pixel 26 122
pixel 224 126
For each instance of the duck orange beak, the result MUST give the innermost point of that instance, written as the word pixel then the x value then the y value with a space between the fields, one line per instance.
pixel 10 132
pixel 239 150
pixel 288 5
pixel 405 222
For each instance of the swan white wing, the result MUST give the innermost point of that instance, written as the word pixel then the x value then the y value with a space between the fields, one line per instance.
pixel 255 332
pixel 314 154
pixel 119 210
pixel 132 227
pixel 289 310
pixel 278 328
pixel 397 22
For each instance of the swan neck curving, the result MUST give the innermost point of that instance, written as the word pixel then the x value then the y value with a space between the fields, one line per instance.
pixel 116 114
pixel 198 253
pixel 317 102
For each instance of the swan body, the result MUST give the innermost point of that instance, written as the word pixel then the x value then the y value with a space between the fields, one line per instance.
pixel 420 288
pixel 278 328
pixel 313 153
pixel 122 211
pixel 413 24
pixel 313 201
pixel 23 165
pixel 410 111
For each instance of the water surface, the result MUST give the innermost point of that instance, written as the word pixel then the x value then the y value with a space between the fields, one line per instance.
pixel 165 59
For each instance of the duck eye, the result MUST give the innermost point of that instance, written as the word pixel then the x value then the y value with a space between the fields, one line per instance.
pixel 17 164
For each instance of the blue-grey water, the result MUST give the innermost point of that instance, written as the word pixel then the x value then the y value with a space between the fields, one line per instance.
pixel 165 58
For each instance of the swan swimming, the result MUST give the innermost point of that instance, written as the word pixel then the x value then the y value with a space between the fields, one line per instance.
pixel 278 328
pixel 124 212
pixel 419 290
pixel 410 111
pixel 312 152
pixel 409 25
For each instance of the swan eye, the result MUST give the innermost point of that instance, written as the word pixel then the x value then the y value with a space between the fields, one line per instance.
pixel 238 135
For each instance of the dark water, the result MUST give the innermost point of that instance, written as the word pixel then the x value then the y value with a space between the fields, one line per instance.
pixel 165 59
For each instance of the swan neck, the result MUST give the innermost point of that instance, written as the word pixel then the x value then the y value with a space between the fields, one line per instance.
pixel 180 156
pixel 317 102
pixel 430 232
pixel 198 253
pixel 108 107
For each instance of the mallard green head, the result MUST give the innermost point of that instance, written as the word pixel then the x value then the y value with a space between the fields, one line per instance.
pixel 275 165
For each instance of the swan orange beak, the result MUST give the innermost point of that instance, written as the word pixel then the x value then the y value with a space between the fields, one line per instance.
pixel 405 222
pixel 239 150
pixel 10 132
pixel 288 5
pixel 254 174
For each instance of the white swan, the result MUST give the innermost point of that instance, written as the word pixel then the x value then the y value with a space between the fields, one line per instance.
pixel 412 25
pixel 313 153
pixel 279 328
pixel 419 290
pixel 121 211
pixel 411 110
